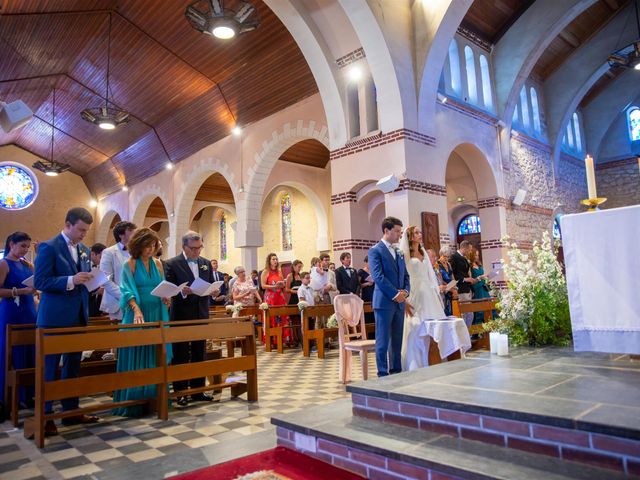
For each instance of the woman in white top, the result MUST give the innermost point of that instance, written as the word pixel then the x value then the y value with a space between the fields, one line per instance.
pixel 424 298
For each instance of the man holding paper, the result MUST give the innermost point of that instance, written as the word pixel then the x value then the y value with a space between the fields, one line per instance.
pixel 191 304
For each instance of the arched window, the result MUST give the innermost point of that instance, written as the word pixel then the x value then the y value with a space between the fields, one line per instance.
pixel 535 110
pixel 469 224
pixel 285 212
pixel 633 119
pixel 454 67
pixel 18 186
pixel 576 129
pixel 223 237
pixel 486 83
pixel 524 105
pixel 570 135
pixel 470 64
pixel 514 118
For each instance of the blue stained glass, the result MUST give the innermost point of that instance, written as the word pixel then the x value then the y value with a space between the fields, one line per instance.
pixel 223 237
pixel 18 187
pixel 556 229
pixel 469 224
pixel 285 210
pixel 634 123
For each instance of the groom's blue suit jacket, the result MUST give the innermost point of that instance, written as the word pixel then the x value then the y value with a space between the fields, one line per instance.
pixel 60 307
pixel 389 276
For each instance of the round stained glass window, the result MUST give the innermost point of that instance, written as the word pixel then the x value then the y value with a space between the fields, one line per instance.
pixel 18 186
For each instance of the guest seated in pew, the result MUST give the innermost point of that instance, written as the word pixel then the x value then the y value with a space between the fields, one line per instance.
pixel 17 308
pixel 273 285
pixel 140 275
pixel 62 268
pixel 244 293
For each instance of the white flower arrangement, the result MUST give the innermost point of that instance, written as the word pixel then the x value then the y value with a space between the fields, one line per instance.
pixel 204 267
pixel 236 309
pixel 332 321
pixel 229 308
pixel 302 305
pixel 264 306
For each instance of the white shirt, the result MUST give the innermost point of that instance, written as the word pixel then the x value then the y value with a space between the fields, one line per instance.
pixel 318 281
pixel 305 293
pixel 73 250
pixel 390 247
pixel 192 266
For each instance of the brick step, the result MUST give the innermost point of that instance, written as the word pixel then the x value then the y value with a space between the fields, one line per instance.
pixel 389 451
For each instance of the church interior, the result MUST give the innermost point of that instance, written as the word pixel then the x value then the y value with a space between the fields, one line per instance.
pixel 295 128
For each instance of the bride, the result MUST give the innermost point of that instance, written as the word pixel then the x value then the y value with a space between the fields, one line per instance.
pixel 424 298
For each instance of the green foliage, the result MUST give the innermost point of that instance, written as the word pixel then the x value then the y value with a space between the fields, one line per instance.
pixel 534 309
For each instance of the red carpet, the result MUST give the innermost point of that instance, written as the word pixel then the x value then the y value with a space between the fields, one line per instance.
pixel 284 464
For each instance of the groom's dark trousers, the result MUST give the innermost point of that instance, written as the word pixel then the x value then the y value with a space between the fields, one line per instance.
pixel 389 330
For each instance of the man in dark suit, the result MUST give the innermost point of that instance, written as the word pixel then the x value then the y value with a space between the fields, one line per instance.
pixel 63 266
pixel 95 297
pixel 186 267
pixel 462 273
pixel 346 277
pixel 221 297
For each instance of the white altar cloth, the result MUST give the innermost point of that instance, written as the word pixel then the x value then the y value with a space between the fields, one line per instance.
pixel 603 277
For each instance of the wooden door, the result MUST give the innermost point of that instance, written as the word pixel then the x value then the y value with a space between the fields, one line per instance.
pixel 430 231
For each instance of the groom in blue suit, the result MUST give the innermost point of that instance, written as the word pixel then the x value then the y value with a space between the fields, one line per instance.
pixel 63 266
pixel 391 280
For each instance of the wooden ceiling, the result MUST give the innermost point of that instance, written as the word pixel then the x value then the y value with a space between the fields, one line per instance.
pixel 307 152
pixel 184 90
pixel 215 189
pixel 157 209
pixel 490 19
pixel 575 35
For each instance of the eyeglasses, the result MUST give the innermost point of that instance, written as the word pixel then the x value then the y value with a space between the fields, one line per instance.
pixel 195 249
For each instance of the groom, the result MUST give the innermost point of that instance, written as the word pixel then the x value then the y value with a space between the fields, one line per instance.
pixel 391 280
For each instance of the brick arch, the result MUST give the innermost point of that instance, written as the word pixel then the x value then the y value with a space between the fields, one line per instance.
pixel 249 208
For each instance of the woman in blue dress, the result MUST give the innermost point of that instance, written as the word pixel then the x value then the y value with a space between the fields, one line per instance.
pixel 140 275
pixel 16 308
pixel 480 289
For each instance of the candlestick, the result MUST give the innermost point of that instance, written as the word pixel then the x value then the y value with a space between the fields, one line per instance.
pixel 591 177
pixel 593 203
pixel 503 345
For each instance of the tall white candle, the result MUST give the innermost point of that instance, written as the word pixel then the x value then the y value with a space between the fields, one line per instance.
pixel 493 342
pixel 639 163
pixel 503 345
pixel 591 177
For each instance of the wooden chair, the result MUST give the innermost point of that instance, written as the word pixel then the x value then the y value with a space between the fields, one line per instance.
pixel 352 338
pixel 486 305
pixel 319 335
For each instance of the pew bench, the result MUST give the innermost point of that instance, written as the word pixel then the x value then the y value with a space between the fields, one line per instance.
pixel 486 305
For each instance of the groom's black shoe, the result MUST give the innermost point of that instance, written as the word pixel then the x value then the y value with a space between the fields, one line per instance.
pixel 182 401
pixel 201 397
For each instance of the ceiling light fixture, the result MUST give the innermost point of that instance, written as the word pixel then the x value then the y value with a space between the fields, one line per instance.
pixel 50 167
pixel 210 17
pixel 125 188
pixel 169 166
pixel 629 56
pixel 237 131
pixel 93 203
pixel 355 74
pixel 105 116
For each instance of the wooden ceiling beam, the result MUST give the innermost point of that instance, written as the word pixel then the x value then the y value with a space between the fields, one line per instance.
pixel 612 4
pixel 570 38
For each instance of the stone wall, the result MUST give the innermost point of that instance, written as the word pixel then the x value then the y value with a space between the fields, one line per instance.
pixel 619 182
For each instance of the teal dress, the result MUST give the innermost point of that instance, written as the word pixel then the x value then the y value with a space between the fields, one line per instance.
pixel 480 290
pixel 139 286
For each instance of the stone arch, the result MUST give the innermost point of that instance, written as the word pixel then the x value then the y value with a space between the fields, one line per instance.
pixel 189 189
pixel 480 167
pixel 102 234
pixel 142 201
pixel 322 219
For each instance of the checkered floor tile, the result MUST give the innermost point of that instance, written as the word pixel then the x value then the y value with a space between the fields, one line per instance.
pixel 194 436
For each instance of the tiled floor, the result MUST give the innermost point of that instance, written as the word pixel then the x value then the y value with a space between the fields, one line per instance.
pixel 193 437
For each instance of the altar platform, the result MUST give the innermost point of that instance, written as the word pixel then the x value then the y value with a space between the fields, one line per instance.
pixel 540 413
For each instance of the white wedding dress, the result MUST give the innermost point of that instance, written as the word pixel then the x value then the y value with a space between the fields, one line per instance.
pixel 427 303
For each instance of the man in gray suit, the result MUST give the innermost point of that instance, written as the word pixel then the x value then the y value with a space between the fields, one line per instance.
pixel 111 263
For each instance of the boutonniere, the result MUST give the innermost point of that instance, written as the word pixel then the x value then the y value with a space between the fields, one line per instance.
pixel 204 267
pixel 83 255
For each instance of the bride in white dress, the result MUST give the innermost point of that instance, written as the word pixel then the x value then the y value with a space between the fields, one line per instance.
pixel 424 298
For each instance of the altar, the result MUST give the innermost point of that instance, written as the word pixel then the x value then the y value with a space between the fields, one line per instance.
pixel 603 278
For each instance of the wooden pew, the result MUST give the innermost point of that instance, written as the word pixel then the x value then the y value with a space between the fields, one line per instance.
pixel 320 335
pixel 269 331
pixel 223 329
pixel 486 305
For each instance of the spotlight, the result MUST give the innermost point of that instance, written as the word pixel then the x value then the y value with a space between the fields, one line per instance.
pixel 223 29
pixel 93 203
pixel 169 166
pixel 51 174
pixel 14 115
pixel 236 131
pixel 125 188
pixel 355 74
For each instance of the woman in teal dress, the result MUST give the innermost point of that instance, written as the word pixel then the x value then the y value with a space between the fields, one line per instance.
pixel 140 275
pixel 480 289
pixel 16 308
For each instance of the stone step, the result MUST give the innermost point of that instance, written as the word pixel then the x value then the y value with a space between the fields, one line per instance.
pixel 378 450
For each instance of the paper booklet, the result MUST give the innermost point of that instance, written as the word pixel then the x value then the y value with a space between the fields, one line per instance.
pixel 28 282
pixel 98 278
pixel 451 285
pixel 167 289
pixel 369 279
pixel 204 289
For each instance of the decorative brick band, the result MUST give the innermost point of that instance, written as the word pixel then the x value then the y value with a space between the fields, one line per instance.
pixel 490 244
pixel 470 111
pixel 379 139
pixel 353 244
pixel 573 160
pixel 493 202
pixel 350 57
pixel 569 444
pixel 535 209
pixel 474 38
pixel 343 197
pixel 617 163
pixel 424 187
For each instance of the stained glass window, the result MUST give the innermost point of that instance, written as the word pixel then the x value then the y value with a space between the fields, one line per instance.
pixel 223 237
pixel 634 123
pixel 469 224
pixel 18 186
pixel 285 210
pixel 556 229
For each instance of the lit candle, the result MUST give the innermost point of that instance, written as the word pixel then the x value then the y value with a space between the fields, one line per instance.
pixel 591 177
pixel 503 345
pixel 493 342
